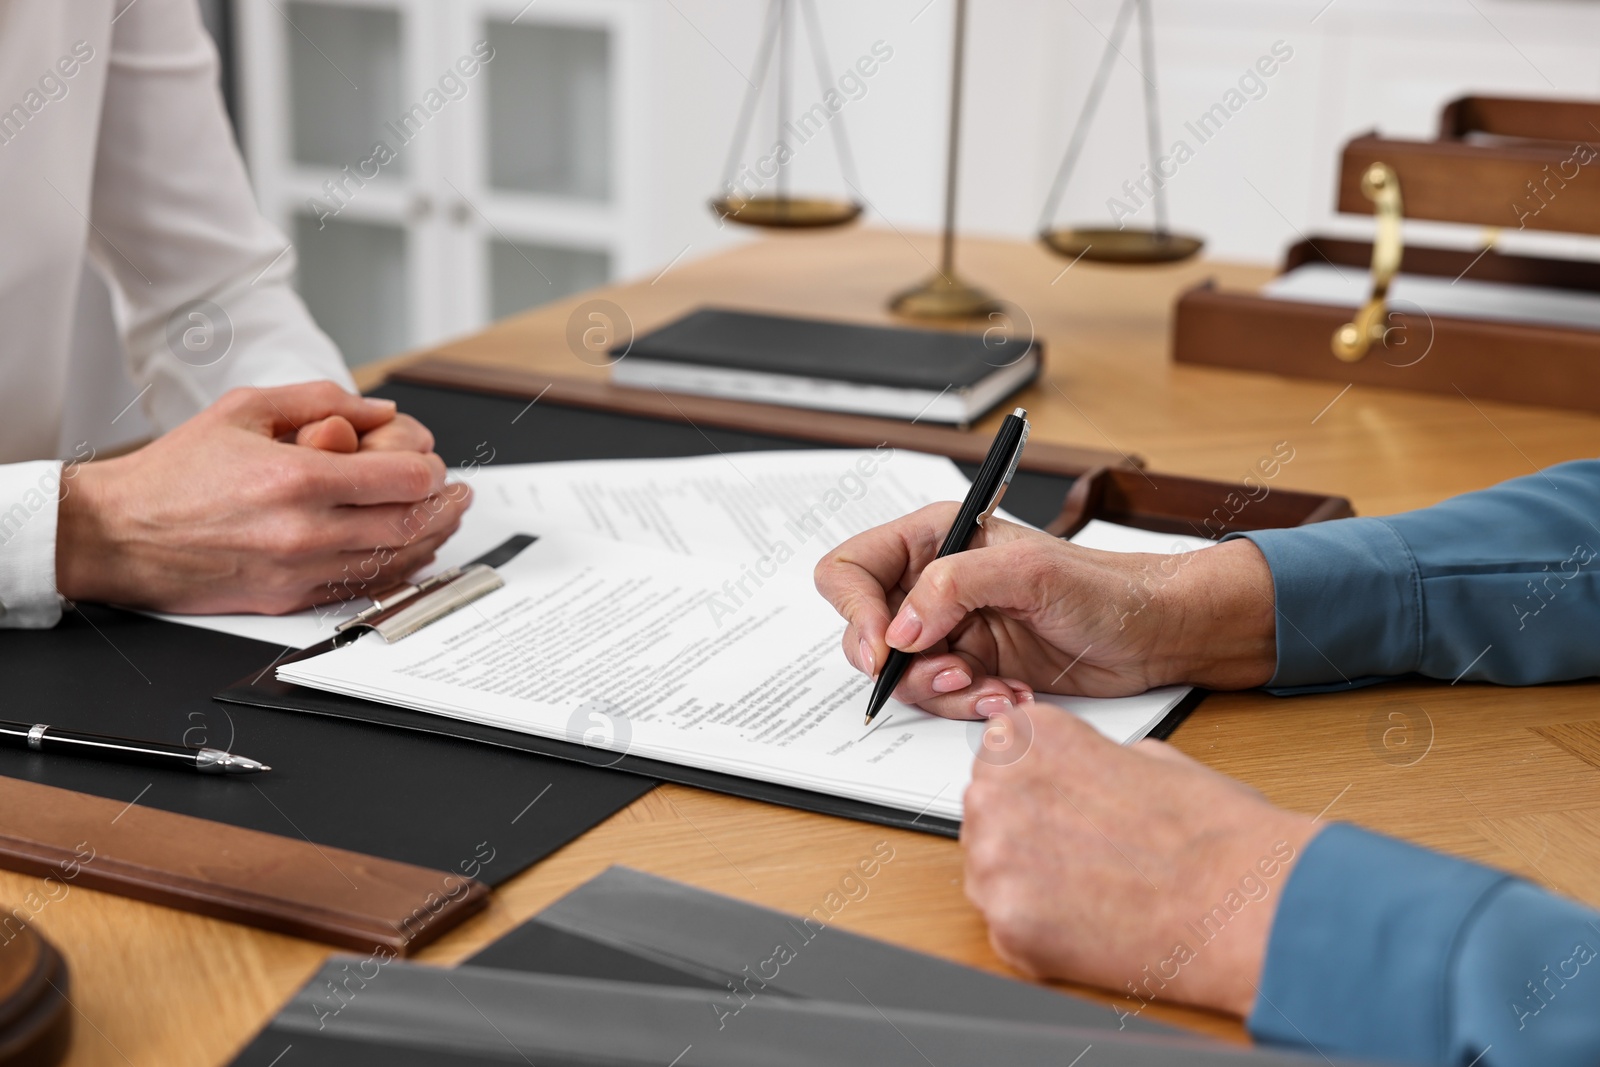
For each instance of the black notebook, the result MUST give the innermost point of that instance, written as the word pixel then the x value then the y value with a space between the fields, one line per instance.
pixel 943 376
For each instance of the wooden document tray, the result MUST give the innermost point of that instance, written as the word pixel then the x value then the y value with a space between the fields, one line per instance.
pixel 1497 162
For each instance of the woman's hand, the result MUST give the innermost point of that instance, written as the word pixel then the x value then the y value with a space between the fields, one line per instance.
pixel 1021 610
pixel 1134 869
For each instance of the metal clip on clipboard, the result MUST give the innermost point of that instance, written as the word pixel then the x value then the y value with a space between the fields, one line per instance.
pixel 405 609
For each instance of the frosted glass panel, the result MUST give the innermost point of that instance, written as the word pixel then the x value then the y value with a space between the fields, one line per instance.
pixel 344 82
pixel 522 275
pixel 353 278
pixel 549 110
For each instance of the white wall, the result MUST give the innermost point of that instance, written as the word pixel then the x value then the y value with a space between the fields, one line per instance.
pixel 1356 65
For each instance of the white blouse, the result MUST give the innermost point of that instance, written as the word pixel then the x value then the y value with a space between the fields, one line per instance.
pixel 115 148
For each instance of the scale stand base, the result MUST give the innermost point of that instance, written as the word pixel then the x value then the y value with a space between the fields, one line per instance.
pixel 945 297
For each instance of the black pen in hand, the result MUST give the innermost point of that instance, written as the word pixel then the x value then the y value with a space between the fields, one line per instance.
pixel 982 499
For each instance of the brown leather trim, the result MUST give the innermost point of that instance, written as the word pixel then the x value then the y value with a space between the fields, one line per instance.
pixel 245 876
pixel 824 427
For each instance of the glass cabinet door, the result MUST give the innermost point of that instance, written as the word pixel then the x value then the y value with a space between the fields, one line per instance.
pixel 539 162
pixel 345 160
pixel 353 278
pixel 442 163
pixel 549 110
pixel 523 274
pixel 344 82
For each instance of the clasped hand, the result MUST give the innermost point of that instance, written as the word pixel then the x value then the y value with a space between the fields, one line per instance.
pixel 270 500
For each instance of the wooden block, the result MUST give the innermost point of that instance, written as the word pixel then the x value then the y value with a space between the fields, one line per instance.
pixel 35 1015
pixel 276 883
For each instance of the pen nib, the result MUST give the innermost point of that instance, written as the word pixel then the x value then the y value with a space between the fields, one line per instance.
pixel 866 720
pixel 215 761
pixel 243 765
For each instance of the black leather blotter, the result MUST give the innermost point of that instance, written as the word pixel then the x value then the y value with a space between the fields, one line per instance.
pixel 947 376
pixel 423 799
pixel 480 428
pixel 633 970
pixel 268 692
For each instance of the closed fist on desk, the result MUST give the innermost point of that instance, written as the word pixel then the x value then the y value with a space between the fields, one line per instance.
pixel 1135 869
pixel 268 501
pixel 1021 610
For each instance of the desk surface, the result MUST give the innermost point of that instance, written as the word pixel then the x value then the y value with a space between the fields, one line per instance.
pixel 1506 777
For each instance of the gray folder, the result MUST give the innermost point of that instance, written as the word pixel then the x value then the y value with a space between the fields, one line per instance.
pixel 412 1014
pixel 631 969
pixel 630 926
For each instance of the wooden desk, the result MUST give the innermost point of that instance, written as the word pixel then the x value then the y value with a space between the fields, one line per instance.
pixel 1507 777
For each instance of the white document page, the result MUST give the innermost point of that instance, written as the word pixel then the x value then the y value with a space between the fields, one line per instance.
pixel 1109 537
pixel 684 660
pixel 741 505
pixel 749 507
pixel 1323 283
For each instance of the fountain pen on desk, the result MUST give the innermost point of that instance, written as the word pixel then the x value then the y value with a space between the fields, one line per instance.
pixel 987 488
pixel 39 737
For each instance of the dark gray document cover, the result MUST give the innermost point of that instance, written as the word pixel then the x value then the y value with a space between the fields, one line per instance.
pixel 631 926
pixel 633 969
pixel 407 1015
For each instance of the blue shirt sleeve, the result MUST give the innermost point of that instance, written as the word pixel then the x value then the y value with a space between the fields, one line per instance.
pixel 1386 951
pixel 1501 585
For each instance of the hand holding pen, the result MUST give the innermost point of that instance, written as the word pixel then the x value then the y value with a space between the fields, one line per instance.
pixel 1023 611
pixel 994 477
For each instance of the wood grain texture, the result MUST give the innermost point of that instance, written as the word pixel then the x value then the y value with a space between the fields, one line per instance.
pixel 1485 185
pixel 155 986
pixel 277 883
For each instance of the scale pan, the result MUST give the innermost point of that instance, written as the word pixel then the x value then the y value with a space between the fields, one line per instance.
pixel 786 212
pixel 1121 246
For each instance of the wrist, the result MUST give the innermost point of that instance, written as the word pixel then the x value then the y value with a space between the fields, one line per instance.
pixel 1224 633
pixel 85 554
pixel 1243 955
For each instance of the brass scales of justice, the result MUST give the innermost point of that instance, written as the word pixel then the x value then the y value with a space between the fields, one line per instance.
pixel 944 295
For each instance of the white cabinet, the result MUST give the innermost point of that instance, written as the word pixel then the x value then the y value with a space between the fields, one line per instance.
pixel 441 163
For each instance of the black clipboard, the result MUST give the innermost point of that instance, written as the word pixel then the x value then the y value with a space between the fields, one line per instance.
pixel 464 425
